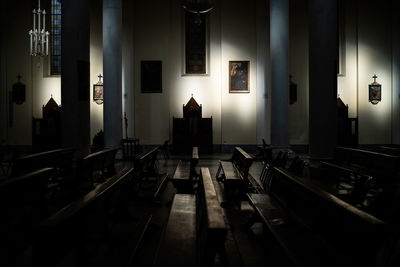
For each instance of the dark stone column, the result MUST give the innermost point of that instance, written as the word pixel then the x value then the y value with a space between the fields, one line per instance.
pixel 75 82
pixel 279 40
pixel 112 68
pixel 323 62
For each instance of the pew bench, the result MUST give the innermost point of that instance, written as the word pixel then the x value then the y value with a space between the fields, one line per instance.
pixel 86 221
pixel 23 205
pixel 98 166
pixel 383 167
pixel 196 229
pixel 315 228
pixel 146 168
pixel 178 246
pixel 59 159
pixel 185 173
pixel 211 224
pixel 234 173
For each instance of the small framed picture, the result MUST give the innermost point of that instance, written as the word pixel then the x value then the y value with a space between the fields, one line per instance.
pixel 151 75
pixel 375 93
pixel 239 73
pixel 98 91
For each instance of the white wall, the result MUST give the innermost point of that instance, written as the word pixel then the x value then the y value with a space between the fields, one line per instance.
pixel 374 57
pixel 96 64
pixel 238 30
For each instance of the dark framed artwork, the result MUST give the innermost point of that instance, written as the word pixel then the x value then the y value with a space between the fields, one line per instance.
pixel 98 93
pixel 239 73
pixel 375 92
pixel 151 76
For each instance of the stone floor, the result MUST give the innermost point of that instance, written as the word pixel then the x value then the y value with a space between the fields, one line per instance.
pixel 243 247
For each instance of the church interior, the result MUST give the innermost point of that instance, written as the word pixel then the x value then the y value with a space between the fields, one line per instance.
pixel 200 133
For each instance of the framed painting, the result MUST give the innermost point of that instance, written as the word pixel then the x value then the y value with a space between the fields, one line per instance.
pixel 98 93
pixel 374 93
pixel 151 76
pixel 239 73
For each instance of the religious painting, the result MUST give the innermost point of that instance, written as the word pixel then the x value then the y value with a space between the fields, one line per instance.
pixel 239 73
pixel 374 93
pixel 151 75
pixel 98 93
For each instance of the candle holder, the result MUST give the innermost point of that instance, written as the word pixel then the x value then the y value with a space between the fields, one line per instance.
pixel 38 36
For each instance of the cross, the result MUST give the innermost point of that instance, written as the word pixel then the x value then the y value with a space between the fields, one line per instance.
pixel 19 77
pixel 192 95
pixel 374 78
pixel 100 76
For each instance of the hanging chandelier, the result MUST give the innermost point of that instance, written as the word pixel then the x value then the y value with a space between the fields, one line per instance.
pixel 39 37
pixel 197 7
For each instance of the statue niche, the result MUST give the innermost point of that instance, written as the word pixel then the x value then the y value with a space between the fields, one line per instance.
pixel 192 129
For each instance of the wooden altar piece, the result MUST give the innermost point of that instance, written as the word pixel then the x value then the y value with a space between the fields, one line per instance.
pixel 192 130
pixel 46 132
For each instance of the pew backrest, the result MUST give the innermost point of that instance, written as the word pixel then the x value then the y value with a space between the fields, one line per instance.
pixel 60 159
pixel 242 161
pixel 66 227
pixel 348 228
pixel 145 163
pixel 378 165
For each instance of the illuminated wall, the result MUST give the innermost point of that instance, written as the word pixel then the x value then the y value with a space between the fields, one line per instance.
pixel 96 64
pixel 368 51
pixel 238 30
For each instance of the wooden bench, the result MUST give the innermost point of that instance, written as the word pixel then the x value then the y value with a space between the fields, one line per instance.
pixel 86 220
pixel 315 228
pixel 234 172
pixel 383 167
pixel 185 173
pixel 23 205
pixel 98 166
pixel 211 224
pixel 146 168
pixel 178 246
pixel 145 164
pixel 59 159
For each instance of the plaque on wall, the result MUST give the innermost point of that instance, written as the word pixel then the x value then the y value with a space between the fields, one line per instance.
pixel 375 91
pixel 98 91
pixel 239 73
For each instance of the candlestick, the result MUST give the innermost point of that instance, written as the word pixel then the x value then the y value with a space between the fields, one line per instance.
pixel 34 19
pixel 44 19
pixel 47 43
pixel 30 42
pixel 38 14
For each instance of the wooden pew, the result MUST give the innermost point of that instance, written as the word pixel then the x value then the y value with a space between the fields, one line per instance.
pixel 98 166
pixel 234 172
pixel 211 224
pixel 185 173
pixel 383 167
pixel 195 233
pixel 59 159
pixel 145 164
pixel 315 228
pixel 146 168
pixel 85 220
pixel 23 205
pixel 178 246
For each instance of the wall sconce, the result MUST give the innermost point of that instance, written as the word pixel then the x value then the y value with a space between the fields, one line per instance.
pixel 375 90
pixel 98 91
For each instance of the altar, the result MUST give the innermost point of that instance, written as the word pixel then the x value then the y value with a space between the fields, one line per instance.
pixel 192 129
